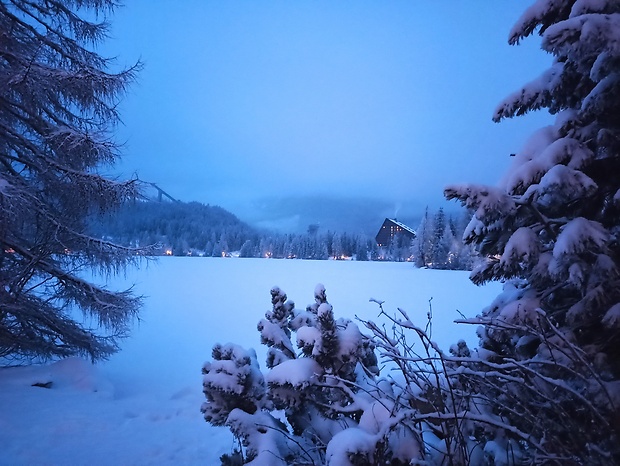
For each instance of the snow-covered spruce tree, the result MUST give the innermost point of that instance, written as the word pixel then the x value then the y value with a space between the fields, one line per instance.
pixel 57 109
pixel 552 227
pixel 439 248
pixel 436 245
pixel 319 403
pixel 422 243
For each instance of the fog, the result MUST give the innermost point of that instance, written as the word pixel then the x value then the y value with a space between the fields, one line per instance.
pixel 263 107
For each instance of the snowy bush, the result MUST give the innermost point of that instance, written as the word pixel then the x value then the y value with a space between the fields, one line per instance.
pixel 320 402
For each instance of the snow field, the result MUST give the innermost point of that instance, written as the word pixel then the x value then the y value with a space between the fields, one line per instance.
pixel 143 405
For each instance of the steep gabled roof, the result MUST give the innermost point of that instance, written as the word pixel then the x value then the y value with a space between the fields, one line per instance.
pixel 402 225
pixel 386 232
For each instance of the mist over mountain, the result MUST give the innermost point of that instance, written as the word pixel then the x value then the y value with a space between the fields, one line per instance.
pixel 334 213
pixel 315 227
pixel 294 214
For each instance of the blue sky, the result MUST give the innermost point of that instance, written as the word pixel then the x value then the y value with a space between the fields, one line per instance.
pixel 245 100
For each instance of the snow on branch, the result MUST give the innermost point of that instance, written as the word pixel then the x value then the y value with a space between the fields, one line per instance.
pixel 581 235
pixel 535 95
pixel 540 15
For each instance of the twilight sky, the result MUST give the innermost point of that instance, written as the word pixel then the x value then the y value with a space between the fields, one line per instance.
pixel 245 100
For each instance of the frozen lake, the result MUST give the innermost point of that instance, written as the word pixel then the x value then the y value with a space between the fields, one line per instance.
pixel 142 406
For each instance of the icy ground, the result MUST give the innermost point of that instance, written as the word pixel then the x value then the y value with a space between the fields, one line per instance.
pixel 142 406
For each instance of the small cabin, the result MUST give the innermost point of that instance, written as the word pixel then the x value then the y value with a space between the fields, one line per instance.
pixel 390 229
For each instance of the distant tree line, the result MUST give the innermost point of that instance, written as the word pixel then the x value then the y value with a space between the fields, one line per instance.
pixel 312 245
pixel 195 229
pixel 437 245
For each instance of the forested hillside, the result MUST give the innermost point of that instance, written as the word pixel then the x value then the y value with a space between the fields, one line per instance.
pixel 179 227
pixel 195 229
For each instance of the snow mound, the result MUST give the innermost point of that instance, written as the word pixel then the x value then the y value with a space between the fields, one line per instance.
pixel 71 373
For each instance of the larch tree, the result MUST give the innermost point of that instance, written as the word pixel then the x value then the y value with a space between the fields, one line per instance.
pixel 58 107
pixel 551 227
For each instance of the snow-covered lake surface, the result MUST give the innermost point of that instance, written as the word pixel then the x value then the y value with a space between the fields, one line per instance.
pixel 143 405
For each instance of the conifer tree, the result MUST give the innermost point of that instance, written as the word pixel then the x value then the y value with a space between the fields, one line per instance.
pixel 247 250
pixel 439 251
pixel 552 226
pixel 58 107
pixel 450 248
pixel 421 247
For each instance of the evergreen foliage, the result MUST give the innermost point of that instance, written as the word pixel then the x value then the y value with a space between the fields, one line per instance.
pixel 438 243
pixel 196 229
pixel 552 228
pixel 58 107
pixel 325 384
pixel 184 227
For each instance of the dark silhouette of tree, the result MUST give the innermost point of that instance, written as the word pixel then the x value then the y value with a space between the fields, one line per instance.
pixel 58 106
